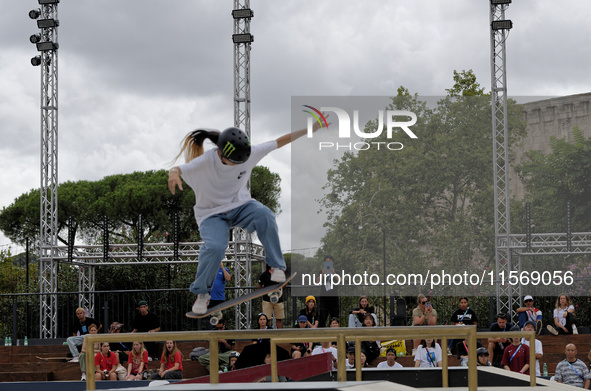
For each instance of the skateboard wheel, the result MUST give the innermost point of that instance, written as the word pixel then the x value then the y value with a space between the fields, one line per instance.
pixel 213 321
pixel 274 299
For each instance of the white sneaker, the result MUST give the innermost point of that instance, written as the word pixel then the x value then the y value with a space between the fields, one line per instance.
pixel 277 275
pixel 83 378
pixel 448 351
pixel 75 359
pixel 552 330
pixel 575 331
pixel 200 305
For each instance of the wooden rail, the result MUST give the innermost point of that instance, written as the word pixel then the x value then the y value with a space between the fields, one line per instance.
pixel 341 335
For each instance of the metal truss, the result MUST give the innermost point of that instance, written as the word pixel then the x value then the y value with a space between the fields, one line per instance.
pixel 242 271
pixel 508 245
pixel 549 244
pixel 48 265
pixel 87 258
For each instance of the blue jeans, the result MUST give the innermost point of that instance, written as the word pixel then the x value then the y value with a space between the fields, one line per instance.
pixel 215 232
pixel 72 342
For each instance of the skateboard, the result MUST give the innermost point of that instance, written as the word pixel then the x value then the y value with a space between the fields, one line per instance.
pixel 46 359
pixel 274 292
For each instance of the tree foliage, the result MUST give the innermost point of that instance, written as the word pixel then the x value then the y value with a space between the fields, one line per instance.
pixel 432 202
pixel 552 180
pixel 121 199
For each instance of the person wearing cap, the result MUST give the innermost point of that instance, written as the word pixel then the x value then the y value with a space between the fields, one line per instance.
pixel 219 177
pixel 232 360
pixel 122 349
pixel 309 311
pixel 531 326
pixel 301 349
pixel 225 349
pixel 482 356
pixel 529 313
pixel 350 364
pixel 516 355
pixel 390 362
pixel 146 322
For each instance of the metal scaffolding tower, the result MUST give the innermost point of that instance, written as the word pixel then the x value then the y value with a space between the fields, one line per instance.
pixel 47 45
pixel 242 39
pixel 503 258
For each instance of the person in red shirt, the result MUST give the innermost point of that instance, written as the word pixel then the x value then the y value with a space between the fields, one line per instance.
pixel 138 361
pixel 516 356
pixel 105 362
pixel 171 366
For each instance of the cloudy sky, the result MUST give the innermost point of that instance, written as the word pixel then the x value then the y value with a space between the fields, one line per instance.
pixel 136 76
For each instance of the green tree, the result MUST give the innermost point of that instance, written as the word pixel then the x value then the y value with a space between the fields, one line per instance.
pixel 428 205
pixel 554 179
pixel 122 199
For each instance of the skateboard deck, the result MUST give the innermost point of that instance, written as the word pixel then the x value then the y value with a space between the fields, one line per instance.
pixel 46 359
pixel 252 295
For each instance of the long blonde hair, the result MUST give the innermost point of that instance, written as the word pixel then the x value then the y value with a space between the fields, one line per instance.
pixel 141 353
pixel 192 143
pixel 568 301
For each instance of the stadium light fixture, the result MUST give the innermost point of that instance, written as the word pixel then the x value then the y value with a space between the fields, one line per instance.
pixel 46 46
pixel 48 1
pixel 36 61
pixel 47 23
pixel 501 25
pixel 35 38
pixel 242 38
pixel 34 14
pixel 243 13
pixel 500 2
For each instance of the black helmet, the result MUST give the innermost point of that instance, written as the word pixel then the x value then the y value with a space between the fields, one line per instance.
pixel 481 352
pixel 234 145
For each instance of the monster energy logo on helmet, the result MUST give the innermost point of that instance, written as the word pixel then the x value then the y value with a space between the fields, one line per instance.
pixel 228 149
pixel 234 145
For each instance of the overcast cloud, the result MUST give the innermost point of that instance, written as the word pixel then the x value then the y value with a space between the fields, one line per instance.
pixel 136 76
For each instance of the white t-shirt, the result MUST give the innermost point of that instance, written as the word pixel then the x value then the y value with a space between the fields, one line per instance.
pixel 538 350
pixel 219 188
pixel 559 313
pixel 384 364
pixel 429 357
pixel 318 349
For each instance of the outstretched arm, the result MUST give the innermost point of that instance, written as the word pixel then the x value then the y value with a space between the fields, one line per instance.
pixel 290 137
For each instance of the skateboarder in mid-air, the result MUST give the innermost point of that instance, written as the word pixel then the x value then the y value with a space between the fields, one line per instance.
pixel 219 179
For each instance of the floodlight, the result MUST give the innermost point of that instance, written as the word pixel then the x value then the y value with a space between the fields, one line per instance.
pixel 34 14
pixel 47 23
pixel 48 1
pixel 46 46
pixel 501 25
pixel 36 61
pixel 242 38
pixel 500 2
pixel 243 13
pixel 35 38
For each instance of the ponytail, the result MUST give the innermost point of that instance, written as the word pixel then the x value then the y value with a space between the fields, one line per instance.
pixel 192 144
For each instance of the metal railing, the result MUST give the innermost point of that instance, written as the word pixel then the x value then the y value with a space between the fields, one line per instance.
pixel 341 335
